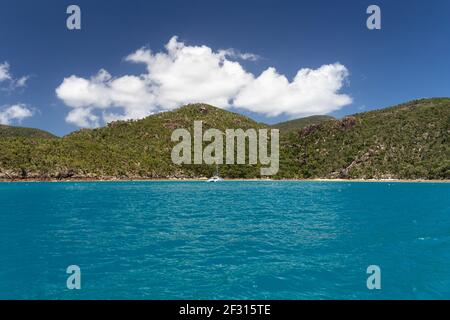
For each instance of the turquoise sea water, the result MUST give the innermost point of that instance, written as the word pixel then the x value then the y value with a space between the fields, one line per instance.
pixel 230 240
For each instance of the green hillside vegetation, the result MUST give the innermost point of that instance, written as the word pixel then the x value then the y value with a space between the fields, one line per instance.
pixel 17 132
pixel 301 123
pixel 124 149
pixel 409 141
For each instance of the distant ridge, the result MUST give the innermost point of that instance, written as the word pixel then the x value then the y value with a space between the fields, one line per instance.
pixel 407 141
pixel 22 132
pixel 301 123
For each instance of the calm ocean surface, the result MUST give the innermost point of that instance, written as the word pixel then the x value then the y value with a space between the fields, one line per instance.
pixel 230 240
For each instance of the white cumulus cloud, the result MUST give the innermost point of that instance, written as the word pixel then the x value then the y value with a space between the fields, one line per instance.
pixel 13 83
pixel 187 74
pixel 4 71
pixel 130 93
pixel 14 113
pixel 310 92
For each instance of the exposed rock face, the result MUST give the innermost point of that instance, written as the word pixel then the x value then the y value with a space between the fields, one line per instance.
pixel 65 174
pixel 308 130
pixel 171 125
pixel 366 157
pixel 5 175
pixel 347 123
pixel 203 110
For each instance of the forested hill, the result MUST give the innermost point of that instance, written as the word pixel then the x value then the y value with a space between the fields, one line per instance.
pixel 17 132
pixel 408 141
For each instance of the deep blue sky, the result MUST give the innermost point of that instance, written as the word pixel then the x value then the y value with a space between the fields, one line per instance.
pixel 407 59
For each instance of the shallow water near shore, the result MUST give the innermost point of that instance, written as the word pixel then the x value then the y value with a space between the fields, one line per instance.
pixel 228 240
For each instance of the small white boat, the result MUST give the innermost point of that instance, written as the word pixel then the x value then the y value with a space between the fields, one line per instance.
pixel 215 179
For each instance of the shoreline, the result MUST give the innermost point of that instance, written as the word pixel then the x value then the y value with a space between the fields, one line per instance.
pixel 229 180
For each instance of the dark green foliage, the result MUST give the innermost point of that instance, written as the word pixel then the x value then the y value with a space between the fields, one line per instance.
pixel 409 141
pixel 123 149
